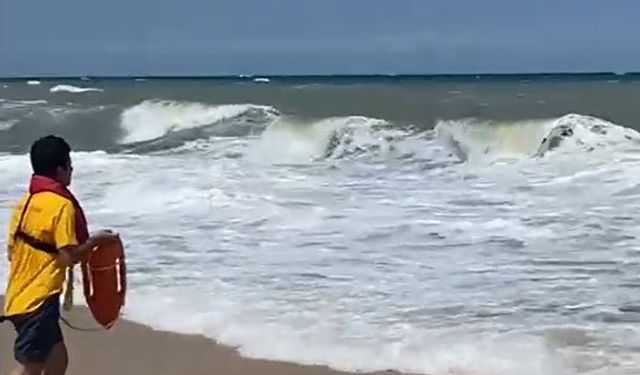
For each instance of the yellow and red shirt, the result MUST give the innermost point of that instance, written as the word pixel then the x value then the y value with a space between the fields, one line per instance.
pixel 34 274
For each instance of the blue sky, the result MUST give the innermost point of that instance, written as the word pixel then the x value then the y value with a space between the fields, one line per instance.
pixel 222 37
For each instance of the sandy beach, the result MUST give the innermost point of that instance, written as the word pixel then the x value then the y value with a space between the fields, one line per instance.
pixel 131 348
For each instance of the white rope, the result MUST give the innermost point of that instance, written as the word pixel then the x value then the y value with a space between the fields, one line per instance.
pixel 68 304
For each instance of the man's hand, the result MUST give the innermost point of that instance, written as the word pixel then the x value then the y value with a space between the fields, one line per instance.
pixel 103 236
pixel 73 254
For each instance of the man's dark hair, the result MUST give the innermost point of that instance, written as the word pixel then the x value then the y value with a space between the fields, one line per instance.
pixel 49 153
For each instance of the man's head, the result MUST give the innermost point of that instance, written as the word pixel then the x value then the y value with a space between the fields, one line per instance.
pixel 50 157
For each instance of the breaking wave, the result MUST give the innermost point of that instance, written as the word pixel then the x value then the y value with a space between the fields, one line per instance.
pixel 473 140
pixel 160 124
pixel 294 141
pixel 263 133
pixel 74 89
pixel 6 125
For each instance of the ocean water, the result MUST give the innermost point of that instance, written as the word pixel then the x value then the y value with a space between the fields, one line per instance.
pixel 413 223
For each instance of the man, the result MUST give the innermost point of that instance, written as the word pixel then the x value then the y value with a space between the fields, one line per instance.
pixel 47 234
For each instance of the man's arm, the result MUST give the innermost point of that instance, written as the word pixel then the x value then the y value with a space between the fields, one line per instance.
pixel 70 255
pixel 15 217
pixel 70 251
pixel 10 241
pixel 9 244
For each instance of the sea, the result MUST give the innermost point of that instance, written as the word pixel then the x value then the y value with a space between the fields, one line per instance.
pixel 486 224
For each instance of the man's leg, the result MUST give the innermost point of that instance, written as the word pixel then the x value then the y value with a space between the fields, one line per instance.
pixel 57 361
pixel 23 347
pixel 39 343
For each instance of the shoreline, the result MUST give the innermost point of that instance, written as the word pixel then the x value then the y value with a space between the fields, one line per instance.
pixel 133 348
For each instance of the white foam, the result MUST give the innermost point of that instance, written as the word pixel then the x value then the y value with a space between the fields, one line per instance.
pixel 32 102
pixel 74 89
pixel 33 83
pixel 153 119
pixel 309 338
pixel 352 267
pixel 592 134
pixel 6 125
pixel 261 80
pixel 12 104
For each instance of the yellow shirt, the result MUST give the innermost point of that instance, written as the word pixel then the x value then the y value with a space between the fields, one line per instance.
pixel 34 274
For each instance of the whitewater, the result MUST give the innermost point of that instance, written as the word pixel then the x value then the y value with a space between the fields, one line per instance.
pixel 358 240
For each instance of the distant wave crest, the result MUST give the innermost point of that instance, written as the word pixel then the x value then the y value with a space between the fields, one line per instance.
pixel 74 89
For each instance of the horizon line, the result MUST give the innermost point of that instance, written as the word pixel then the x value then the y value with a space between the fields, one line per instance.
pixel 340 75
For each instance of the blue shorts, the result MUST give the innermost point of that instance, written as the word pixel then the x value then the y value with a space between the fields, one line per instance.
pixel 37 332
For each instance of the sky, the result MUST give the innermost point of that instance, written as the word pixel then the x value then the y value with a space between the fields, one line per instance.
pixel 231 37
